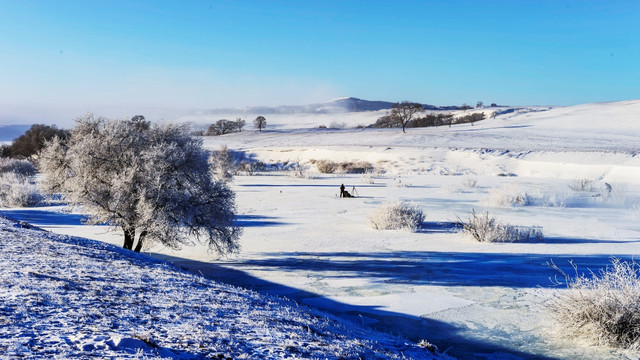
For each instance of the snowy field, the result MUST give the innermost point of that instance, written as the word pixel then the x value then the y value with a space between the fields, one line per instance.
pixel 474 300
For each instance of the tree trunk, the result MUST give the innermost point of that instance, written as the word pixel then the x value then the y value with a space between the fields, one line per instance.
pixel 140 241
pixel 129 237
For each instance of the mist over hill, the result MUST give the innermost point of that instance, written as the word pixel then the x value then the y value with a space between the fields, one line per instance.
pixel 339 105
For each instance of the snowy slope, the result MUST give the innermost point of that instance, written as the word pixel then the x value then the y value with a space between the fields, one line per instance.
pixel 65 297
pixel 480 300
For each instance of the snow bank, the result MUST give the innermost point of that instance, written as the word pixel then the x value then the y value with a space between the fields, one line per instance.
pixel 66 297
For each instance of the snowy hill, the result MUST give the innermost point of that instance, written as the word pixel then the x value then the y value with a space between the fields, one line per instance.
pixel 68 297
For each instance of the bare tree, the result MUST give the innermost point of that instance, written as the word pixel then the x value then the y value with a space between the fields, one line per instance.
pixel 240 124
pixel 260 122
pixel 222 127
pixel 404 111
pixel 152 181
pixel 479 104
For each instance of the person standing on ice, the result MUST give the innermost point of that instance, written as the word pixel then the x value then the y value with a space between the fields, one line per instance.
pixel 341 190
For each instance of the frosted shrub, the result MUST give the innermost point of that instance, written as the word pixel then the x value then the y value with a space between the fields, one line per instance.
pixel 603 308
pixel 485 228
pixel 299 170
pixel 20 167
pixel 326 166
pixel 467 185
pixel 223 166
pixel 251 168
pixel 17 191
pixel 368 177
pixel 581 185
pixel 337 125
pixel 358 167
pixel 509 195
pixel 470 184
pixel 551 200
pixel 396 216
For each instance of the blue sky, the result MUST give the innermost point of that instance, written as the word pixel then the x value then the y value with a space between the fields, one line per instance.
pixel 88 55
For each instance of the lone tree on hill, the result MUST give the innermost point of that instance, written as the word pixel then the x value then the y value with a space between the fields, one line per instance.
pixel 152 181
pixel 403 112
pixel 260 122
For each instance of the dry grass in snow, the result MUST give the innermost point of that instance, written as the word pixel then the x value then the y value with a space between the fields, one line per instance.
pixel 603 308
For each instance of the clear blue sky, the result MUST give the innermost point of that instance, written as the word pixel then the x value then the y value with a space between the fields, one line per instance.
pixel 206 54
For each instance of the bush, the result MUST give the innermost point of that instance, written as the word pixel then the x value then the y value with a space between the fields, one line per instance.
pixel 431 120
pixel 337 125
pixel 20 167
pixel 582 185
pixel 298 169
pixel 251 168
pixel 368 177
pixel 223 165
pixel 471 118
pixel 345 167
pixel 386 121
pixel 512 196
pixel 485 228
pixel 17 191
pixel 358 167
pixel 468 185
pixel 603 308
pixel 509 195
pixel 397 216
pixel 326 166
pixel 5 151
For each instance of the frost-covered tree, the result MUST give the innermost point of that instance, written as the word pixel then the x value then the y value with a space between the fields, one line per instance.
pixel 403 112
pixel 223 165
pixel 152 181
pixel 260 122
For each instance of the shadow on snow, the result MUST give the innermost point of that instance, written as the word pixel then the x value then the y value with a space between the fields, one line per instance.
pixel 257 221
pixel 453 338
pixel 44 217
pixel 431 267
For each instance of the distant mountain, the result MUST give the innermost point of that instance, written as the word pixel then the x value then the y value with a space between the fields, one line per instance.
pixel 340 105
pixel 10 132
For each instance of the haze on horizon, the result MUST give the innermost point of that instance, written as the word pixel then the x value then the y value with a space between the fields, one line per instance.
pixel 118 58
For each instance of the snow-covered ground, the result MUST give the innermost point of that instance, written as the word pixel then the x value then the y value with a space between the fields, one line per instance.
pixel 475 300
pixel 65 297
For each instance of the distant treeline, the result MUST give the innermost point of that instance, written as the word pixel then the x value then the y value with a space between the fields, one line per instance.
pixel 428 120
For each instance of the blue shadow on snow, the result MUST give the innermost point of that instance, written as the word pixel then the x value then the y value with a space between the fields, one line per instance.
pixel 44 217
pixel 447 336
